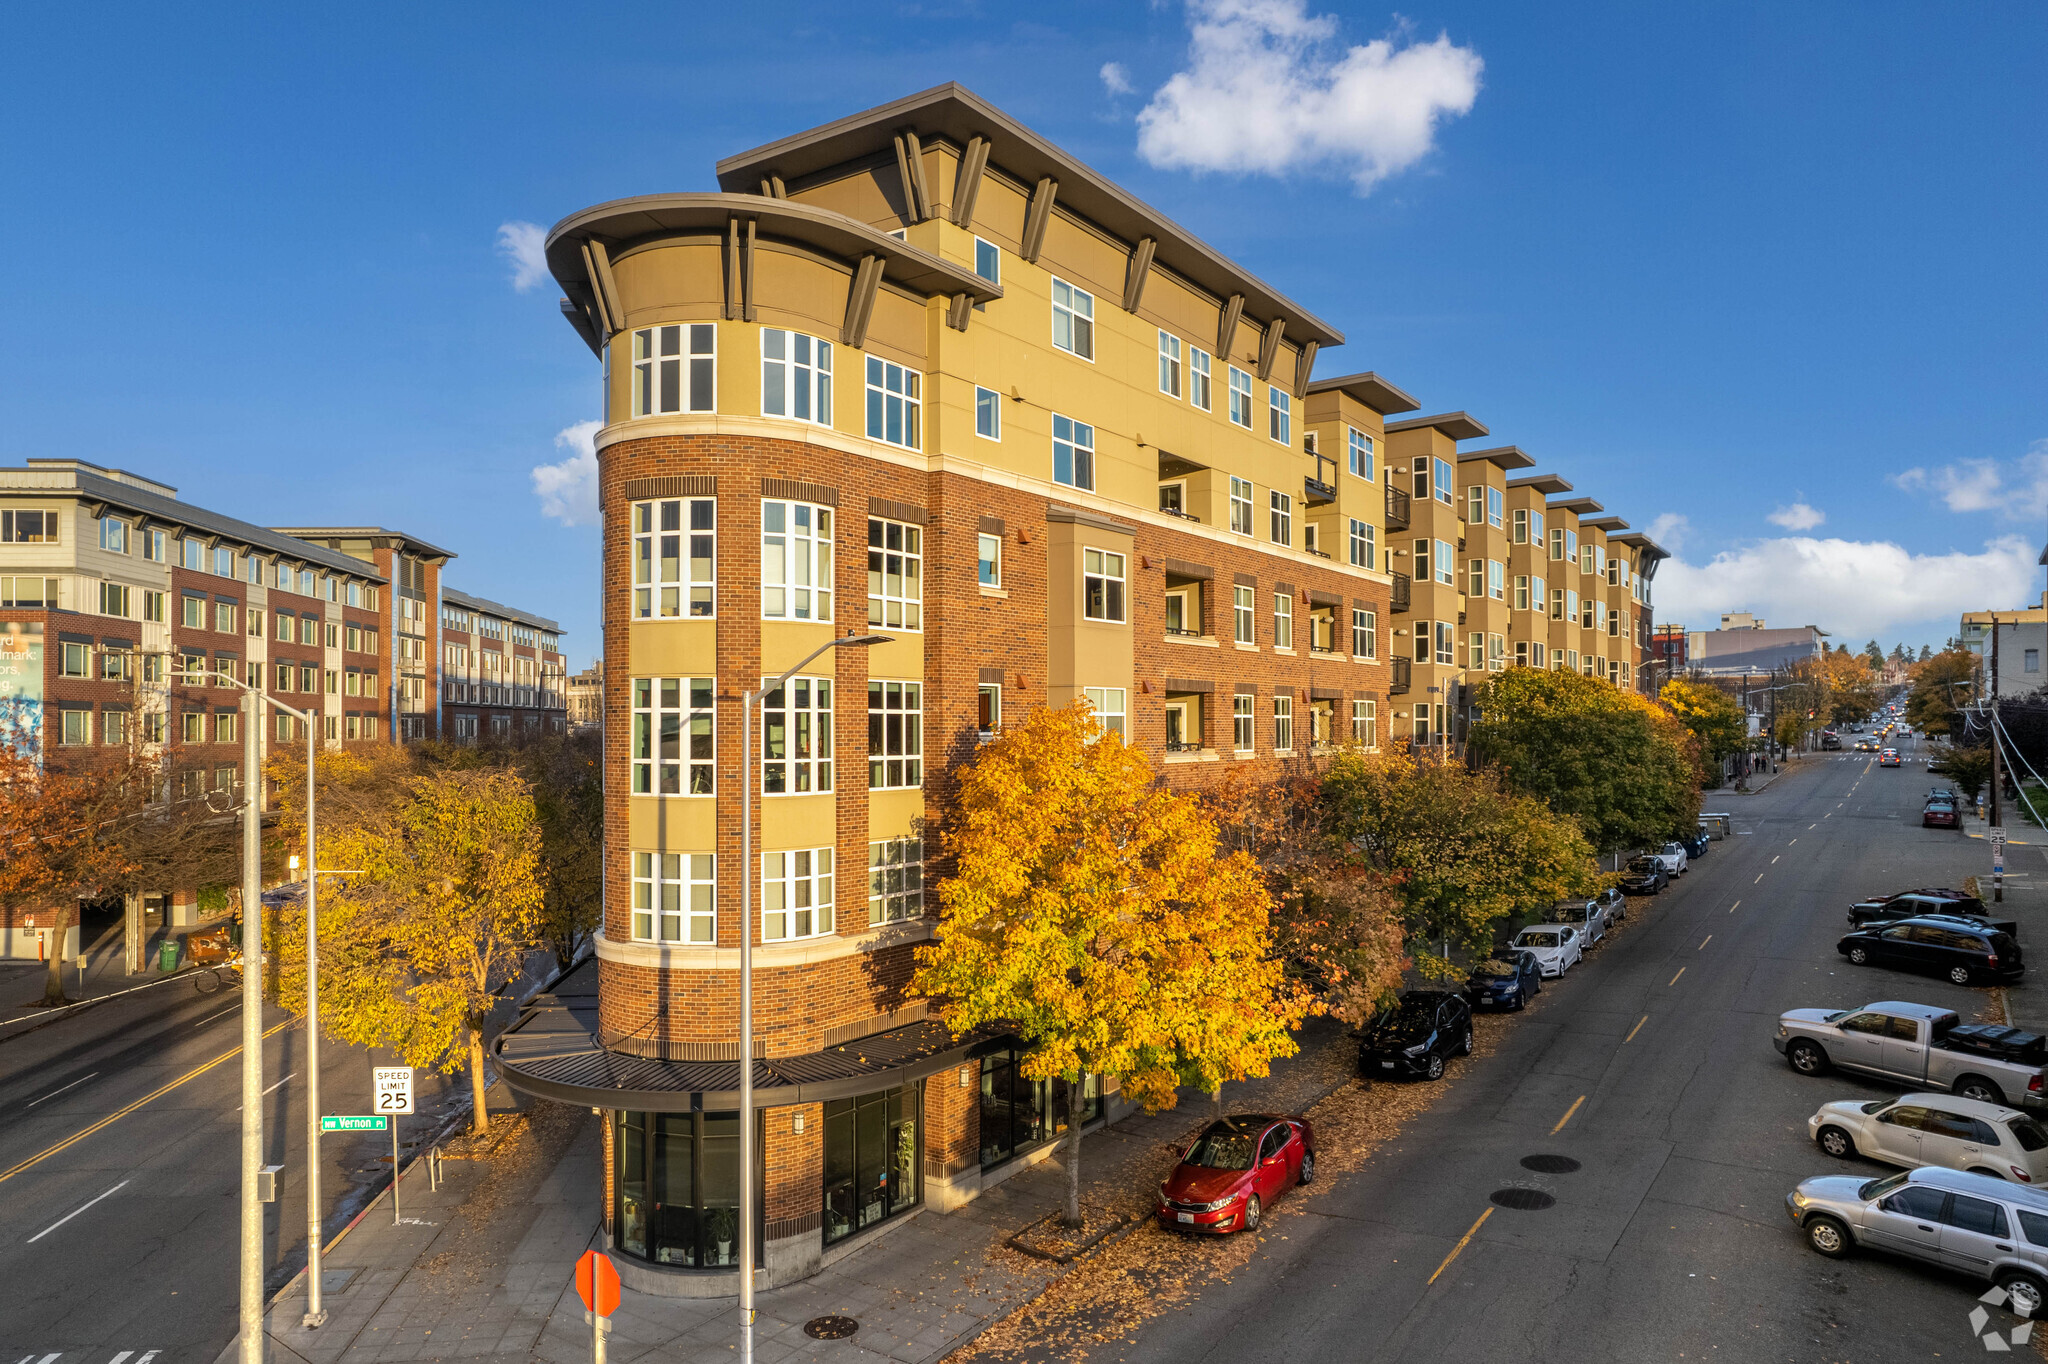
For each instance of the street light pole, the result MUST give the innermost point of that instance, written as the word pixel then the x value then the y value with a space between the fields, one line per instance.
pixel 748 702
pixel 316 1315
pixel 252 1031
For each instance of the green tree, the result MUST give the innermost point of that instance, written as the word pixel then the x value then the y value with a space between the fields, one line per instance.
pixel 1623 767
pixel 1873 653
pixel 1941 687
pixel 1714 717
pixel 1090 910
pixel 567 777
pixel 1969 768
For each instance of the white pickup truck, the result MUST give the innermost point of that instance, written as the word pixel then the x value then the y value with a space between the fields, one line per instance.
pixel 1919 1046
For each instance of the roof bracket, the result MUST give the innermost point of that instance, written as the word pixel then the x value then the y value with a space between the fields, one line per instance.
pixel 598 261
pixel 773 188
pixel 1136 273
pixel 860 301
pixel 967 180
pixel 733 302
pixel 1037 216
pixel 1269 347
pixel 748 312
pixel 917 200
pixel 1226 325
pixel 959 311
pixel 1304 366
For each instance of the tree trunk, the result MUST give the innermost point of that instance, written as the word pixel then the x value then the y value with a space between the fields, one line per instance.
pixel 1073 1218
pixel 53 984
pixel 480 1115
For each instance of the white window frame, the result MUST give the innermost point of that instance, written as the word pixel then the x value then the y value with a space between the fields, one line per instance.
pixel 1283 723
pixel 1280 519
pixel 1107 567
pixel 1446 563
pixel 1198 378
pixel 1446 643
pixel 1365 722
pixel 691 704
pixel 113 535
pixel 1443 476
pixel 669 587
pixel 1279 414
pixel 1494 502
pixel 988 560
pixel 694 371
pixel 1496 580
pixel 1111 709
pixel 988 403
pixel 804 383
pixel 1076 440
pixel 1073 315
pixel 802 548
pixel 895 574
pixel 1283 620
pixel 1169 364
pixel 116 599
pixel 675 898
pixel 1240 505
pixel 1243 610
pixel 984 249
pixel 895 762
pixel 895 881
pixel 1360 453
pixel 1243 718
pixel 1365 633
pixel 802 707
pixel 904 402
pixel 796 894
pixel 1364 544
pixel 1240 398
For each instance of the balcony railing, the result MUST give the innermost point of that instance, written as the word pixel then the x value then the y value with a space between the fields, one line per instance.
pixel 1397 509
pixel 1402 671
pixel 1401 597
pixel 1183 515
pixel 1182 746
pixel 1183 631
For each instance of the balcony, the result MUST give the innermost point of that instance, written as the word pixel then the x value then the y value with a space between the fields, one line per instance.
pixel 1397 509
pixel 1402 670
pixel 1320 488
pixel 1400 599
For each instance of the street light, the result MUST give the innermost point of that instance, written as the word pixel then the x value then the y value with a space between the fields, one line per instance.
pixel 749 701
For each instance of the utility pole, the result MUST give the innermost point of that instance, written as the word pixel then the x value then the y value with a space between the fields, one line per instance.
pixel 252 1029
pixel 316 1315
pixel 1997 773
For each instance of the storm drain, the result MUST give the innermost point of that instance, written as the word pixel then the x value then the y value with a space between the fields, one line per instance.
pixel 1550 1165
pixel 1522 1200
pixel 830 1328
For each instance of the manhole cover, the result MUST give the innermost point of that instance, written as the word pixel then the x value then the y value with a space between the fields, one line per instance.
pixel 830 1328
pixel 1550 1165
pixel 1522 1200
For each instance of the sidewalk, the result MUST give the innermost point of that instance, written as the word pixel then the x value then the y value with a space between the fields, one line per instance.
pixel 21 982
pixel 482 1268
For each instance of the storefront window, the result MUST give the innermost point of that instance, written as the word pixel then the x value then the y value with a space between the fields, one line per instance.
pixel 1018 1114
pixel 678 1188
pixel 871 1159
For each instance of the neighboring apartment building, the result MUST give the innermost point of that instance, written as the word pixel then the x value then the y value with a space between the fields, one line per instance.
pixel 586 698
pixel 921 373
pixel 2022 637
pixel 503 673
pixel 1745 647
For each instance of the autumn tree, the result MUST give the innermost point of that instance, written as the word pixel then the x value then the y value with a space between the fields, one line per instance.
pixel 1942 685
pixel 567 775
pixel 1854 690
pixel 1968 766
pixel 1713 716
pixel 1091 911
pixel 1619 764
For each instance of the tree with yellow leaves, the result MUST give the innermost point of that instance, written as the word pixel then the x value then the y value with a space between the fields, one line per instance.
pixel 1090 911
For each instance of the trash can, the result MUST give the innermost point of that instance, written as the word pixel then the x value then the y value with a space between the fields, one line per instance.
pixel 167 955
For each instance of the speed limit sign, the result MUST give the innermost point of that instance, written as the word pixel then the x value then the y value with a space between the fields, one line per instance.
pixel 392 1091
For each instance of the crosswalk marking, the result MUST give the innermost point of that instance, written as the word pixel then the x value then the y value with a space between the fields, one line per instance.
pixel 124 1357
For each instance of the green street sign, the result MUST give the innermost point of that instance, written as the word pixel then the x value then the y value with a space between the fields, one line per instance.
pixel 353 1123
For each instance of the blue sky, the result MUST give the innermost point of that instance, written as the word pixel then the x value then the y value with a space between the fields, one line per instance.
pixel 1710 262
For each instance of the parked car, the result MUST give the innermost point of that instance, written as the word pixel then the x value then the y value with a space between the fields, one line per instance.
pixel 1226 1177
pixel 1674 858
pixel 1829 739
pixel 1556 947
pixel 1644 876
pixel 1963 950
pixel 1585 915
pixel 1695 844
pixel 1939 814
pixel 1505 980
pixel 1418 1035
pixel 1918 1045
pixel 1945 1217
pixel 1945 793
pixel 1614 903
pixel 1935 1129
pixel 1888 758
pixel 1914 904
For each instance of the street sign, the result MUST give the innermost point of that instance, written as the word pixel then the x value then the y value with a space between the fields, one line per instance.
pixel 1997 837
pixel 364 1122
pixel 597 1283
pixel 393 1088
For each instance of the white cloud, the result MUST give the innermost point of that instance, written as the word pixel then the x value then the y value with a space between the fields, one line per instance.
pixel 568 489
pixel 1859 588
pixel 1269 90
pixel 1798 516
pixel 524 246
pixel 1115 79
pixel 2017 491
pixel 1670 531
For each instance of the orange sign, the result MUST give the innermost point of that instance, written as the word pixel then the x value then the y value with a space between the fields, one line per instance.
pixel 597 1283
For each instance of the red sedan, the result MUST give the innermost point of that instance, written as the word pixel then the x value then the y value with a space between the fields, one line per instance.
pixel 1226 1177
pixel 1939 814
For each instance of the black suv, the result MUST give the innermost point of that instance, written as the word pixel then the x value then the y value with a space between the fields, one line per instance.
pixel 1915 904
pixel 1644 876
pixel 1961 950
pixel 1418 1035
pixel 1505 980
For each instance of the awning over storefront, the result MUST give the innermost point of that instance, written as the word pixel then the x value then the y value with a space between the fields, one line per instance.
pixel 552 1052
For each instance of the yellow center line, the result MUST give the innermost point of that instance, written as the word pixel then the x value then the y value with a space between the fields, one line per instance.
pixel 1567 1115
pixel 119 1114
pixel 1737 905
pixel 1463 1241
pixel 1636 1029
pixel 1674 980
pixel 1703 943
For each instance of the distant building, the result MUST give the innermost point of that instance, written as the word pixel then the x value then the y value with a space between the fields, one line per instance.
pixel 1667 646
pixel 503 672
pixel 1743 646
pixel 586 698
pixel 2022 638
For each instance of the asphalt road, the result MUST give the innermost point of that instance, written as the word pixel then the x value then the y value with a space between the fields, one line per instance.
pixel 1651 1065
pixel 120 1174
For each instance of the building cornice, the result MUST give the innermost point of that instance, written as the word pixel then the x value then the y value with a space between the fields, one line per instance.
pixel 767 956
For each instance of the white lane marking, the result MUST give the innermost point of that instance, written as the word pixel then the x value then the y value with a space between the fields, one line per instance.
pixel 55 1092
pixel 210 1017
pixel 73 1213
pixel 238 1107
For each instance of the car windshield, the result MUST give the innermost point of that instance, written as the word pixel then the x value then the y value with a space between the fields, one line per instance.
pixel 1568 913
pixel 1496 967
pixel 1536 937
pixel 1409 1012
pixel 1222 1148
pixel 1878 1188
pixel 1643 864
pixel 2030 1134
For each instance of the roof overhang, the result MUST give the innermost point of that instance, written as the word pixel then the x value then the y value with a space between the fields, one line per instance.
pixel 1645 546
pixel 1506 456
pixel 1368 388
pixel 1610 524
pixel 1456 425
pixel 1547 484
pixel 1579 505
pixel 953 113
pixel 378 537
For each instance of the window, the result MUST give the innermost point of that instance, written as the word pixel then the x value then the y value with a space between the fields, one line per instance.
pixel 1588 558
pixel 989 701
pixel 1571 546
pixel 1198 377
pixel 76 727
pixel 1475 577
pixel 796 561
pixel 224 727
pixel 192 612
pixel 28 527
pixel 1073 453
pixel 1360 446
pixel 1493 505
pixel 1447 563
pixel 1281 528
pixel 252 570
pixel 223 562
pixel 309 630
pixel 1241 611
pixel 1102 585
pixel 1363 553
pixel 661 381
pixel 1365 723
pixel 988 261
pixel 153 668
pixel 1536 528
pixel 1475 505
pixel 1496 653
pixel 1241 722
pixel 1241 505
pixel 1521 530
pixel 895 735
pixel 1280 415
pixel 1422 641
pixel 1283 620
pixel 988 414
pixel 2032 664
pixel 114 727
pixel 1365 633
pixel 194 555
pixel 1183 612
pixel 1169 364
pixel 1073 319
pixel 1109 709
pixel 114 599
pixel 1557 606
pixel 192 726
pixel 1521 591
pixel 1446 646
pixel 1589 612
pixel 1614 630
pixel 154 727
pixel 796 894
pixel 73 660
pixel 1476 651
pixel 675 897
pixel 672 741
pixel 796 376
pixel 1443 481
pixel 1283 724
pixel 796 745
pixel 1556 543
pixel 895 880
pixel 113 535
pixel 255 622
pixel 1496 578
pixel 895 574
pixel 1240 397
pixel 152 544
pixel 893 404
pixel 988 560
pixel 1536 594
pixel 224 617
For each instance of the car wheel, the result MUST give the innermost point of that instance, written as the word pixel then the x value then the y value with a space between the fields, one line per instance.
pixel 1521 999
pixel 1836 1142
pixel 1978 1088
pixel 1806 1058
pixel 1308 1168
pixel 1252 1212
pixel 1466 1048
pixel 1828 1236
pixel 1959 974
pixel 1859 956
pixel 1436 1067
pixel 2026 1294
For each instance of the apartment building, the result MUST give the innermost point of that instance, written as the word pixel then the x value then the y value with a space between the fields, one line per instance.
pixel 921 373
pixel 503 673
pixel 586 698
